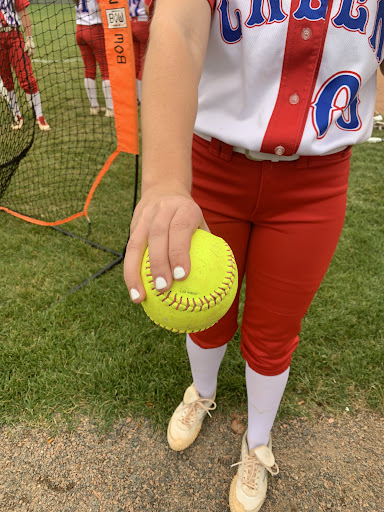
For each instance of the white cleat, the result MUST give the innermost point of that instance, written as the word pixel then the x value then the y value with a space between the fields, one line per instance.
pixel 249 487
pixel 42 123
pixel 94 111
pixel 186 421
pixel 109 112
pixel 17 123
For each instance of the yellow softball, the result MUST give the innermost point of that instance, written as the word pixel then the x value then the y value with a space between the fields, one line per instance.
pixel 204 296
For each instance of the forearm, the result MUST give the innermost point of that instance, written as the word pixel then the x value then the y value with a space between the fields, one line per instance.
pixel 169 103
pixel 26 22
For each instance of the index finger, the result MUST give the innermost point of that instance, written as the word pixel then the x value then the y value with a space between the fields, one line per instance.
pixel 134 253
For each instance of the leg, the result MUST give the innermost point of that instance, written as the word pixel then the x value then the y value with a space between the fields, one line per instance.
pixel 205 364
pixel 5 65
pixel 22 65
pixel 7 84
pixel 206 349
pixel 98 46
pixel 136 46
pixel 296 230
pixel 140 34
pixel 83 39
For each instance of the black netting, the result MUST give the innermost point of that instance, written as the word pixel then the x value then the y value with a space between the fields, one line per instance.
pixel 47 174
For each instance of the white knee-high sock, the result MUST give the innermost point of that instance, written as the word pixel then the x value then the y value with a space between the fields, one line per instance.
pixel 35 100
pixel 14 104
pixel 264 396
pixel 205 364
pixel 106 84
pixel 90 87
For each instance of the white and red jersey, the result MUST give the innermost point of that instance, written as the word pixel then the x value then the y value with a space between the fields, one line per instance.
pixel 87 13
pixel 9 10
pixel 137 10
pixel 291 76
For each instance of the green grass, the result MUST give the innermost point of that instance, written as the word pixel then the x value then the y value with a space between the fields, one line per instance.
pixel 97 354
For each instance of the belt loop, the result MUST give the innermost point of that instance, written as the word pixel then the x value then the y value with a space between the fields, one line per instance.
pixel 214 147
pixel 226 152
pixel 220 149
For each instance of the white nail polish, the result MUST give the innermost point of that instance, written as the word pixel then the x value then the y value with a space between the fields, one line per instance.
pixel 160 283
pixel 178 273
pixel 134 294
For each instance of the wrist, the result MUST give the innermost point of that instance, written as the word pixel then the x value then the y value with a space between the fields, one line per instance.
pixel 165 186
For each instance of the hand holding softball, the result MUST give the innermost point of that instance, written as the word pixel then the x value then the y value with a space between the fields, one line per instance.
pixel 164 221
pixel 200 300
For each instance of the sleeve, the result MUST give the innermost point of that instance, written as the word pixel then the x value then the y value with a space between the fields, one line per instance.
pixel 21 4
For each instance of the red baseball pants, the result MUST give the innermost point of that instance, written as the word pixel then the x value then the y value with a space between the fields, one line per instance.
pixel 12 54
pixel 283 221
pixel 90 39
pixel 140 34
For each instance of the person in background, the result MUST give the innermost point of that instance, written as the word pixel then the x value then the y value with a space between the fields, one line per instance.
pixel 90 39
pixel 140 34
pixel 16 53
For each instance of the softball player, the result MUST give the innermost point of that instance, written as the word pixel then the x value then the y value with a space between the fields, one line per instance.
pixel 15 53
pixel 90 38
pixel 267 97
pixel 140 34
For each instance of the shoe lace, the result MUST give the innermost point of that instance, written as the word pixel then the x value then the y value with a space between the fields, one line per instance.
pixel 191 409
pixel 252 467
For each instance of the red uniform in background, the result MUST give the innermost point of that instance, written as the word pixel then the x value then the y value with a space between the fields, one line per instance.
pixel 90 39
pixel 140 34
pixel 12 51
pixel 15 53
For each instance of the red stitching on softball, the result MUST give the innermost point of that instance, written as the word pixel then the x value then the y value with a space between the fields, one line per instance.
pixel 165 298
pixel 180 302
pixel 214 297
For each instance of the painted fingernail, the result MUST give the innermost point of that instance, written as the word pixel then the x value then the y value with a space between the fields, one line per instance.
pixel 160 283
pixel 134 294
pixel 178 273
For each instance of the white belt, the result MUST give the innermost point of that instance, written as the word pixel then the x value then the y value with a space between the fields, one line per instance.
pixel 6 29
pixel 255 155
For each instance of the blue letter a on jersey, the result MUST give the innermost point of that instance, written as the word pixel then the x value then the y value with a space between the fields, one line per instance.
pixel 338 97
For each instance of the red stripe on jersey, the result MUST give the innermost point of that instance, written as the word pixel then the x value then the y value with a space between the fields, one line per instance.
pixel 303 52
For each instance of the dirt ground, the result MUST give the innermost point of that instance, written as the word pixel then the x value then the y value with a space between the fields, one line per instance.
pixel 329 465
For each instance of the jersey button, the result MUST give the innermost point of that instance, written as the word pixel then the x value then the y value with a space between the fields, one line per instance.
pixel 279 150
pixel 306 33
pixel 294 99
